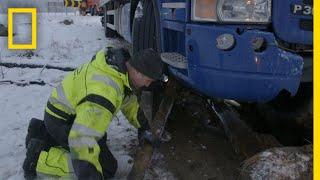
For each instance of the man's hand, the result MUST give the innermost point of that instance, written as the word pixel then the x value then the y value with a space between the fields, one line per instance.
pixel 145 136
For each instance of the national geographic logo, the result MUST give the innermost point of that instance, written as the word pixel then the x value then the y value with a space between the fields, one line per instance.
pixel 33 12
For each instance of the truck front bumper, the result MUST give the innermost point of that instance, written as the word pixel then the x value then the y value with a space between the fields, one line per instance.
pixel 240 73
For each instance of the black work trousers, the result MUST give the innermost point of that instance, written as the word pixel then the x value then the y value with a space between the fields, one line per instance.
pixel 54 132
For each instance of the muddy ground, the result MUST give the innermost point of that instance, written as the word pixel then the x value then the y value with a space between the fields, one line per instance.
pixel 195 152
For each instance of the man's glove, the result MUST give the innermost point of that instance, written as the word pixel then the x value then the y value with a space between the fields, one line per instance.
pixel 145 136
pixel 144 132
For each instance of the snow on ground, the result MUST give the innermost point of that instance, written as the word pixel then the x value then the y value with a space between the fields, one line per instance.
pixel 18 106
pixel 280 163
pixel 49 76
pixel 64 46
pixel 58 44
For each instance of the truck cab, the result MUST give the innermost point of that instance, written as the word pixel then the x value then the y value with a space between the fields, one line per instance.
pixel 247 50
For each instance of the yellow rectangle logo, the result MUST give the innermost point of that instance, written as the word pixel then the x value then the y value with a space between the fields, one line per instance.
pixel 33 44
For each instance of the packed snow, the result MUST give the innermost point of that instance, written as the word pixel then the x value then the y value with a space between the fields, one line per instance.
pixel 280 163
pixel 63 46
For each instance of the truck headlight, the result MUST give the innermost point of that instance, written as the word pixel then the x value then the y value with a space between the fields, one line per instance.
pixel 204 10
pixel 237 11
pixel 255 11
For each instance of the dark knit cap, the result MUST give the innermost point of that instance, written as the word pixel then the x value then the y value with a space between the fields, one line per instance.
pixel 149 63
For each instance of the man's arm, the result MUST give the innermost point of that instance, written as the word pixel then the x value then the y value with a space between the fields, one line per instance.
pixel 136 116
pixel 94 114
pixel 133 112
pixel 130 108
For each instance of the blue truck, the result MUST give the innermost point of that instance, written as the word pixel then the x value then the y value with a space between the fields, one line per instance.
pixel 246 50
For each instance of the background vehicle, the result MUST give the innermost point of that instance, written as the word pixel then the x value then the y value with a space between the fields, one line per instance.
pixel 90 6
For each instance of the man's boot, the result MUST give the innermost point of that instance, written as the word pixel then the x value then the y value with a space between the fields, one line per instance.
pixel 36 129
pixel 35 146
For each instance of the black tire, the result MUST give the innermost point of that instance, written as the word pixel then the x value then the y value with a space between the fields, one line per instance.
pixel 136 35
pixel 145 34
pixel 109 33
pixel 144 30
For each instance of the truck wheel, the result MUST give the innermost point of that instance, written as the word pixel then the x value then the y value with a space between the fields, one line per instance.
pixel 137 35
pixel 144 32
pixel 146 35
pixel 109 33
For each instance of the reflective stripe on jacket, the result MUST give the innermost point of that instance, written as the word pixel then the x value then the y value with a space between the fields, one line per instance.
pixel 87 99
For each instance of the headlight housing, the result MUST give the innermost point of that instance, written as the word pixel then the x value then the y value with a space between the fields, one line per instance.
pixel 235 11
pixel 204 10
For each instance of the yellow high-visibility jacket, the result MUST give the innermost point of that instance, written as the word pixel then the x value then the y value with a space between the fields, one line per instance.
pixel 87 99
